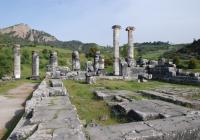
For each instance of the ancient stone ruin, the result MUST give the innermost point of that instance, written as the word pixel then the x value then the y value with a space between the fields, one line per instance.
pixel 161 114
pixel 130 56
pixel 35 65
pixel 116 36
pixel 49 114
pixel 75 61
pixel 123 68
pixel 17 62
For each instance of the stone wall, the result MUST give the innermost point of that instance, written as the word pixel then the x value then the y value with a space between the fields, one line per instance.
pixel 49 114
pixel 168 72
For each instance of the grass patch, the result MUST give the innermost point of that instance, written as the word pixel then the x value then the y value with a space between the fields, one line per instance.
pixel 196 97
pixel 91 109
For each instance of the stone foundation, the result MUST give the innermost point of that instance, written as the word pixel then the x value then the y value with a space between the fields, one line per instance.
pixel 49 114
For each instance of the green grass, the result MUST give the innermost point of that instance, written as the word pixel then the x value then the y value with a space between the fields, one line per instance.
pixel 7 85
pixel 90 108
pixel 109 69
pixel 154 55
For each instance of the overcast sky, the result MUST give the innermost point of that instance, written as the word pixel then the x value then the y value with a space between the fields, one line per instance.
pixel 177 21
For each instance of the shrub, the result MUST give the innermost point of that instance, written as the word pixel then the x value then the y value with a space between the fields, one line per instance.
pixel 192 63
pixel 25 57
pixel 6 62
pixel 176 60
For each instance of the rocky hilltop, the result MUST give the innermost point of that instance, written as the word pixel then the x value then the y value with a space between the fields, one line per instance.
pixel 23 31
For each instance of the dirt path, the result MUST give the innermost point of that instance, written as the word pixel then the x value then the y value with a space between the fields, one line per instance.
pixel 11 104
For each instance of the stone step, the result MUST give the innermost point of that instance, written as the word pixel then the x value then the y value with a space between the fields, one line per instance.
pixel 176 128
pixel 144 110
pixel 172 99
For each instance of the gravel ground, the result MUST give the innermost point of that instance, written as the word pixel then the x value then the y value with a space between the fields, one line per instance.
pixel 11 104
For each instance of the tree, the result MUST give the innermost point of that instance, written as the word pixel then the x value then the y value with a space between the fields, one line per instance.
pixel 176 60
pixel 192 63
pixel 25 57
pixel 92 51
pixel 45 53
pixel 6 61
pixel 124 50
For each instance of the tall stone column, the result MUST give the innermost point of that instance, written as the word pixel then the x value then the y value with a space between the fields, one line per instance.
pixel 53 62
pixel 17 61
pixel 116 35
pixel 35 65
pixel 130 55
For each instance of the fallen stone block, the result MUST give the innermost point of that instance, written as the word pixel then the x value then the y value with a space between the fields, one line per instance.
pixel 24 132
pixel 176 128
pixel 172 99
pixel 128 131
pixel 144 110
pixel 115 95
pixel 56 83
pixel 90 79
pixel 57 91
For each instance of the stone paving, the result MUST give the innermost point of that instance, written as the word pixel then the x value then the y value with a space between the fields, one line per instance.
pixel 175 128
pixel 49 116
pixel 158 120
pixel 173 98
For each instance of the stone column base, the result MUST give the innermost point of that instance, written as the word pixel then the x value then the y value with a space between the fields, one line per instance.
pixel 35 78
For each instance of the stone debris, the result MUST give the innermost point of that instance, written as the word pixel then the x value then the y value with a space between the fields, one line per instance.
pixel 114 95
pixel 24 132
pixel 57 91
pixel 183 92
pixel 56 83
pixel 90 79
pixel 176 128
pixel 172 98
pixel 75 61
pixel 75 75
pixel 144 110
pixel 49 115
pixel 167 71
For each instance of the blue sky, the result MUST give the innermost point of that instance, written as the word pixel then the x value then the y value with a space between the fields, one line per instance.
pixel 177 21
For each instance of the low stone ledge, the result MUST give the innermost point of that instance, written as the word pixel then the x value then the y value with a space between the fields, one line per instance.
pixel 173 99
pixel 56 83
pixel 144 110
pixel 176 128
pixel 49 114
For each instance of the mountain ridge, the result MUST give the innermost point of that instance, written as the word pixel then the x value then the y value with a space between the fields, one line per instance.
pixel 24 31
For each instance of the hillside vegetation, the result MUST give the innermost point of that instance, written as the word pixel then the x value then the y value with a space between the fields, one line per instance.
pixel 187 56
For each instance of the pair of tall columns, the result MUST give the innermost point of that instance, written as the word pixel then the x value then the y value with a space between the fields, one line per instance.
pixel 116 38
pixel 17 63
